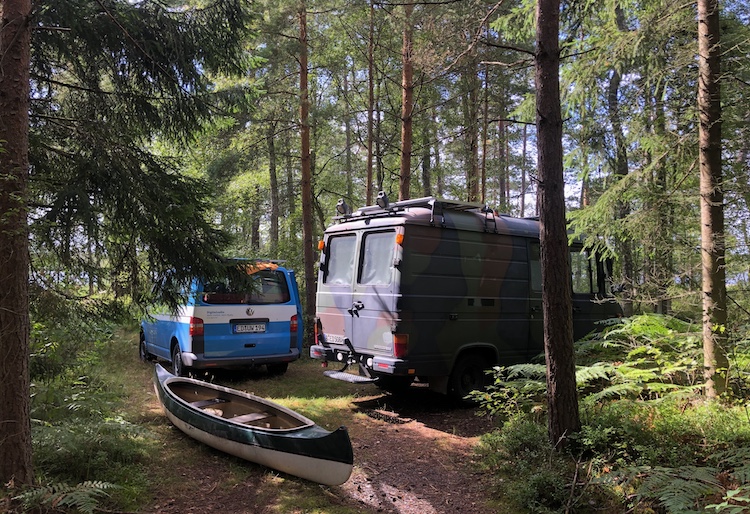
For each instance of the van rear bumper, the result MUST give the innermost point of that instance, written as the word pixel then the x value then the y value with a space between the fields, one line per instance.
pixel 200 361
pixel 372 363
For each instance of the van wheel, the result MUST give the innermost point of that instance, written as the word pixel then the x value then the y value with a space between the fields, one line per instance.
pixel 278 368
pixel 177 366
pixel 142 352
pixel 468 375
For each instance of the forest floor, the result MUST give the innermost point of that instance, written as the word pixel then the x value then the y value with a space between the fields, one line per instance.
pixel 413 453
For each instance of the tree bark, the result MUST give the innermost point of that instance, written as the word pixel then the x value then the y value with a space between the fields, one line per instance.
pixel 370 103
pixel 562 399
pixel 15 425
pixel 274 185
pixel 712 200
pixel 307 197
pixel 407 100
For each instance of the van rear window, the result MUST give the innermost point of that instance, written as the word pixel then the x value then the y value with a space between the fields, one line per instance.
pixel 261 287
pixel 340 267
pixel 377 258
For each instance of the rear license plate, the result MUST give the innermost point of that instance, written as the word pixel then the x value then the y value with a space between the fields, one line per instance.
pixel 249 328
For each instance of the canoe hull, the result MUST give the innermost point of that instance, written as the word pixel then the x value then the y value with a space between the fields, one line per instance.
pixel 307 451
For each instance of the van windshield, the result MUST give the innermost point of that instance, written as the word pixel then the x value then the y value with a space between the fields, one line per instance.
pixel 261 287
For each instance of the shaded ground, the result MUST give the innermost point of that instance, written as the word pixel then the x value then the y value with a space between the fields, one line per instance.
pixel 412 454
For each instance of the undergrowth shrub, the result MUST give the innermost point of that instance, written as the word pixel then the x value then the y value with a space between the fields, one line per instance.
pixel 84 452
pixel 533 477
pixel 646 436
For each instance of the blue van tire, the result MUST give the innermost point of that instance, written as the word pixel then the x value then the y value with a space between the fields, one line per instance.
pixel 142 352
pixel 177 366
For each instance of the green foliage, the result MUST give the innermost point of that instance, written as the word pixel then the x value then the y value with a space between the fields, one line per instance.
pixel 77 449
pixel 84 497
pixel 78 433
pixel 679 489
pixel 646 435
pixel 532 476
pixel 111 209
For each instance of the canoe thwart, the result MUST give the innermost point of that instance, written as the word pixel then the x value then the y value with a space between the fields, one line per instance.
pixel 253 416
pixel 200 404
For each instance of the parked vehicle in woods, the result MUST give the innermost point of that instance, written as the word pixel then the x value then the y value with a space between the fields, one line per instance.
pixel 440 290
pixel 230 324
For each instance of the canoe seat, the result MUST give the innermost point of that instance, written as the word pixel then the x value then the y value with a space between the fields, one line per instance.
pixel 248 418
pixel 200 404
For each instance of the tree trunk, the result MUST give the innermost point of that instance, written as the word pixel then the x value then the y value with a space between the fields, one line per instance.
pixel 426 157
pixel 562 400
pixel 15 425
pixel 407 100
pixel 523 170
pixel 621 171
pixel 307 197
pixel 712 200
pixel 370 102
pixel 469 104
pixel 485 133
pixel 274 185
pixel 348 135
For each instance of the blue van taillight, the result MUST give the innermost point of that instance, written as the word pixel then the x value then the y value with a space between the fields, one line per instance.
pixel 196 326
pixel 293 327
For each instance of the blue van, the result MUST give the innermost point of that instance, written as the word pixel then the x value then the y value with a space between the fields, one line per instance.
pixel 226 325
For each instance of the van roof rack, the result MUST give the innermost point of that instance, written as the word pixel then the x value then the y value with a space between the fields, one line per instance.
pixel 436 205
pixel 429 202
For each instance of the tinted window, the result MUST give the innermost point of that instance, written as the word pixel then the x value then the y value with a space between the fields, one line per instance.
pixel 340 262
pixel 584 280
pixel 377 258
pixel 535 267
pixel 261 287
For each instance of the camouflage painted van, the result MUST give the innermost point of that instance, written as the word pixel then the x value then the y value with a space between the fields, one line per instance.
pixel 439 290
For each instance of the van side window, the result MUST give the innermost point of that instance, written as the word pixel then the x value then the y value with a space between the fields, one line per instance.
pixel 584 280
pixel 340 261
pixel 535 266
pixel 377 258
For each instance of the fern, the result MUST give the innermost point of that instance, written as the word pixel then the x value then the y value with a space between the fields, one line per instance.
pixel 680 490
pixel 84 497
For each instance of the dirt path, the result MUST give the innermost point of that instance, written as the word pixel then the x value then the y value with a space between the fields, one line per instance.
pixel 412 455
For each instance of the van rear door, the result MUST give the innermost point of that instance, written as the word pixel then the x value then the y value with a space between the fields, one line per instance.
pixel 252 320
pixel 356 299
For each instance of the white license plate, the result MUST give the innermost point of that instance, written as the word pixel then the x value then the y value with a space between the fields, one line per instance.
pixel 250 328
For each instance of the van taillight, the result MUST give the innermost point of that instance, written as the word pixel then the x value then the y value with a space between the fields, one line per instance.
pixel 196 326
pixel 400 342
pixel 293 324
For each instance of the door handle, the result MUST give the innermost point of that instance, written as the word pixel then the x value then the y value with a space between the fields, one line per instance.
pixel 356 307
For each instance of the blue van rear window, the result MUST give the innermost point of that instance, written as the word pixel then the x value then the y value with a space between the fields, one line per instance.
pixel 262 287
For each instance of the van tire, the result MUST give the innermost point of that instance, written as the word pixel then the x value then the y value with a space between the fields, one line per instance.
pixel 278 368
pixel 177 366
pixel 142 352
pixel 468 375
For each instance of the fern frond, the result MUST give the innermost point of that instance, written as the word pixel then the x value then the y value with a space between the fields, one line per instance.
pixel 623 390
pixel 599 371
pixel 83 497
pixel 533 371
pixel 679 490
